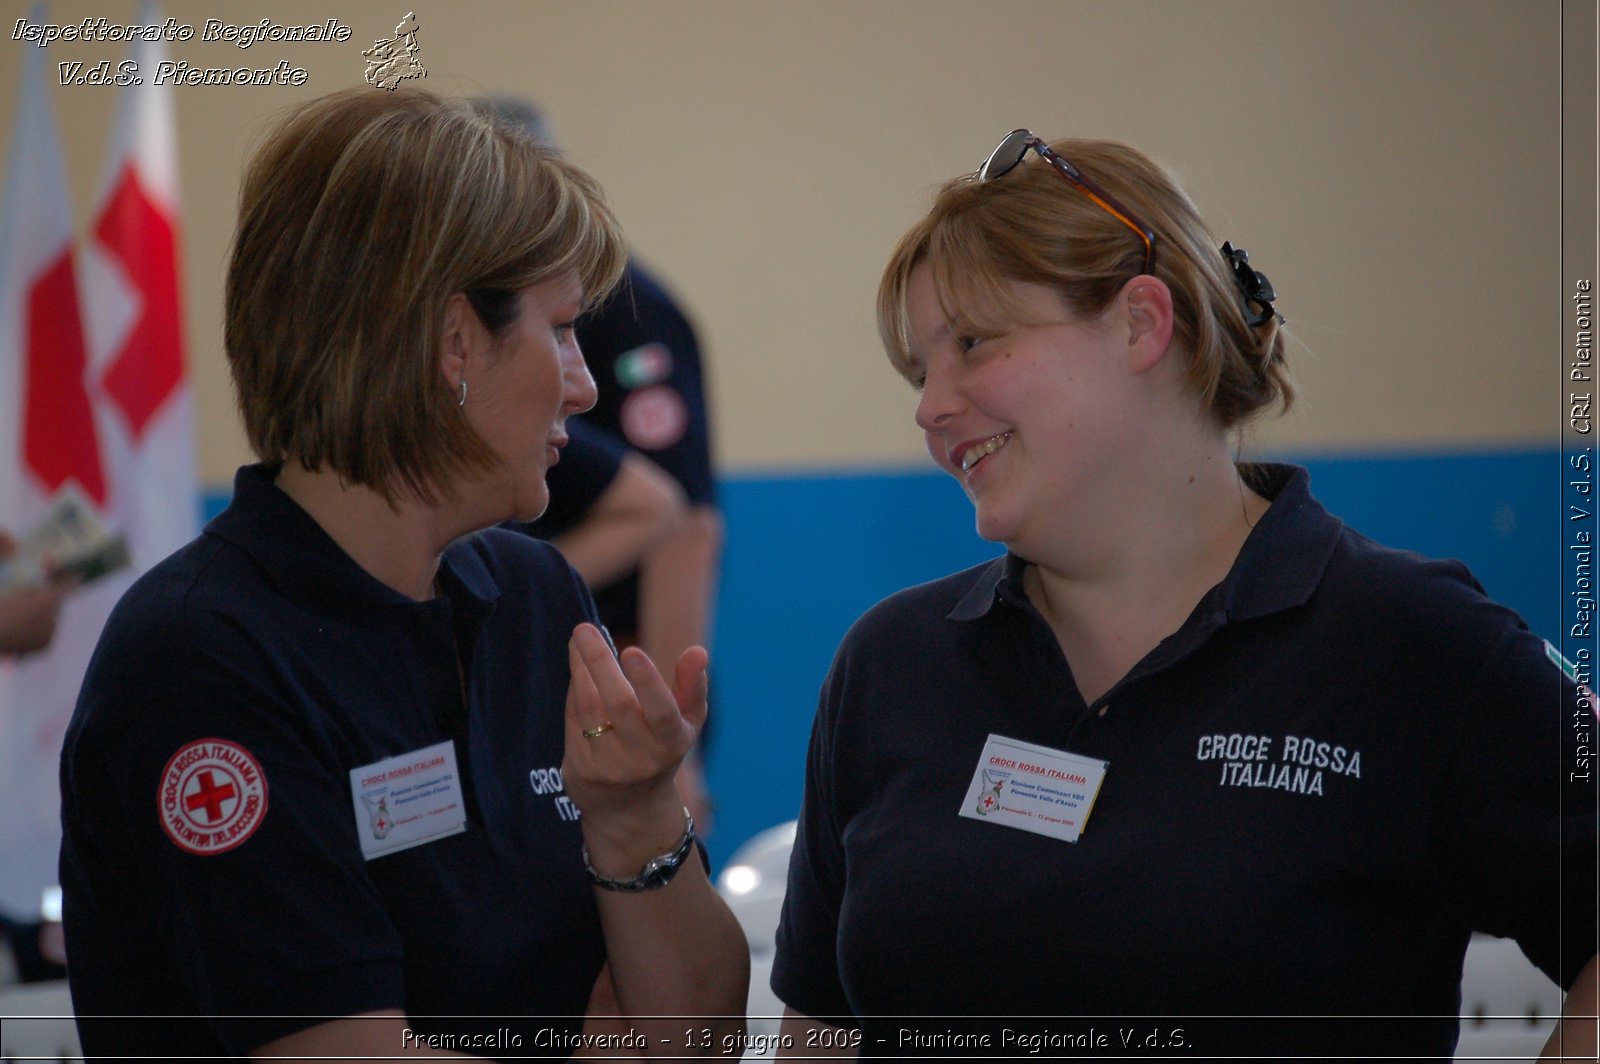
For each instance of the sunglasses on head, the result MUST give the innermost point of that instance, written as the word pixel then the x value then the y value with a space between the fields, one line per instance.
pixel 1014 148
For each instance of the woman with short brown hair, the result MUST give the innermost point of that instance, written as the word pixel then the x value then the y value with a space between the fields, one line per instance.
pixel 356 773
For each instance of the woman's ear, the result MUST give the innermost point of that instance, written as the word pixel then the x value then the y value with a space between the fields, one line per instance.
pixel 457 342
pixel 1147 309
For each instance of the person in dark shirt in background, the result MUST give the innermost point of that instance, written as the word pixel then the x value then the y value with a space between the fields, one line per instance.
pixel 652 405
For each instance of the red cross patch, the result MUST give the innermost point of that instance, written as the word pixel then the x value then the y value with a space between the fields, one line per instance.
pixel 213 795
pixel 654 418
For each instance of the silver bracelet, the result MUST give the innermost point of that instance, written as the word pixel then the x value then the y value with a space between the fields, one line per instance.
pixel 656 873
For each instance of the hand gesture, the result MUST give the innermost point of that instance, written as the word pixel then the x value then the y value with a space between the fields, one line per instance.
pixel 627 732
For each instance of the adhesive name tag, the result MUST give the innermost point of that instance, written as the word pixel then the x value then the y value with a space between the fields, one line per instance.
pixel 1045 791
pixel 405 801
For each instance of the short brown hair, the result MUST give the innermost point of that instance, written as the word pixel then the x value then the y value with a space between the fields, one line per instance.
pixel 1029 225
pixel 360 215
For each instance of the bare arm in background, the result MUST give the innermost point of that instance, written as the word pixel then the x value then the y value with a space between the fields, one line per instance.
pixel 639 509
pixel 28 614
pixel 28 617
pixel 677 585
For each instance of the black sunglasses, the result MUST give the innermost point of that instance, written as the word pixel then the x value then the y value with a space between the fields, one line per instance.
pixel 1014 148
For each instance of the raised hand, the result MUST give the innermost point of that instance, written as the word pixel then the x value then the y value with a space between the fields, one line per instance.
pixel 626 734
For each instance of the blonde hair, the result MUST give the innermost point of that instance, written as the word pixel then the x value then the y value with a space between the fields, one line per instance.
pixel 1029 225
pixel 360 215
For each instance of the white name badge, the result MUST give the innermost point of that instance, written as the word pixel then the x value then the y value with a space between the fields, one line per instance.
pixel 1045 791
pixel 405 801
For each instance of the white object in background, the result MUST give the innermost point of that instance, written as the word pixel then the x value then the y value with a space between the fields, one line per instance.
pixel 753 884
pixel 47 1031
pixel 1508 1007
pixel 50 905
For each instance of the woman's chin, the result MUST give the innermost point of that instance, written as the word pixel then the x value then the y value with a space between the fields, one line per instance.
pixel 994 527
pixel 531 509
pixel 508 502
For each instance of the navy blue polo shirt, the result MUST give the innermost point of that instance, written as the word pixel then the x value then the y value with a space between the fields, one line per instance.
pixel 266 645
pixel 1345 761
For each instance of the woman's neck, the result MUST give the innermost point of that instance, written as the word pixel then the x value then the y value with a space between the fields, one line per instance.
pixel 1113 588
pixel 398 544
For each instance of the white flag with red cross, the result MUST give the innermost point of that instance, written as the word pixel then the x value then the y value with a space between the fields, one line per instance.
pixel 93 391
pixel 133 321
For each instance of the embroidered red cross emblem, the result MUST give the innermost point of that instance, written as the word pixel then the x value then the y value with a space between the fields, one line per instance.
pixel 211 795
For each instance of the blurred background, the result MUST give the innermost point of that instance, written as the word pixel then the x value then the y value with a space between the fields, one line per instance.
pixel 1395 168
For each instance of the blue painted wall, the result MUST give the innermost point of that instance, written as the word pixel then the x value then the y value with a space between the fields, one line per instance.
pixel 807 554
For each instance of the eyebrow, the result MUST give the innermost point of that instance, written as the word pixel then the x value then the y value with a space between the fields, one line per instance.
pixel 907 361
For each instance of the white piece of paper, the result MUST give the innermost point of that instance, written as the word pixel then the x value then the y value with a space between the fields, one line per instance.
pixel 1035 788
pixel 407 800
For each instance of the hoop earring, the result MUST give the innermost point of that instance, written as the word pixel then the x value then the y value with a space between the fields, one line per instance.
pixel 463 400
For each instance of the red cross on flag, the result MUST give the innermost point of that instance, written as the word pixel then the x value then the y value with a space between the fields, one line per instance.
pixel 134 322
pixel 92 393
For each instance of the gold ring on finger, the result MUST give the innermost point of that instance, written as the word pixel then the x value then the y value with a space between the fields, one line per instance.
pixel 598 730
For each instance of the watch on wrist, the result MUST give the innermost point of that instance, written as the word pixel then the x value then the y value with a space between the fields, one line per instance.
pixel 656 873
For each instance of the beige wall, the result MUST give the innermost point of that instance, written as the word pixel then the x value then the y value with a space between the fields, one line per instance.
pixel 1393 166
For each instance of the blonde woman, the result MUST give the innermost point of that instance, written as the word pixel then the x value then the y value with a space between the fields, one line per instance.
pixel 1193 753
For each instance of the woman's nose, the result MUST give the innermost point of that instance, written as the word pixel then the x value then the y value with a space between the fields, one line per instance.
pixel 578 383
pixel 938 401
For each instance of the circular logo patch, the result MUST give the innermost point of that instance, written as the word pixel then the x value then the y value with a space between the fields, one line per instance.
pixel 650 364
pixel 213 796
pixel 655 417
